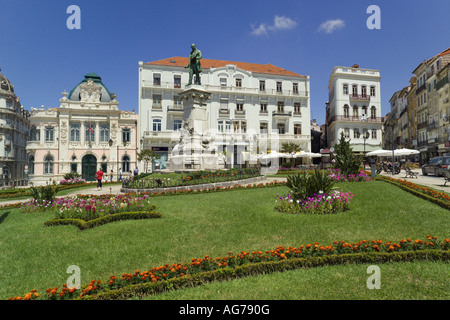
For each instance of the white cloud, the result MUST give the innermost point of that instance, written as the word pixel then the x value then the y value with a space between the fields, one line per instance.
pixel 331 25
pixel 283 23
pixel 259 31
pixel 279 23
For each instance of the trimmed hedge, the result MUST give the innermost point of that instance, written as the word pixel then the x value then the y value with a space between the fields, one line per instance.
pixel 261 268
pixel 84 225
pixel 442 203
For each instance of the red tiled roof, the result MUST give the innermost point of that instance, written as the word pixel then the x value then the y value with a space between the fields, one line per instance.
pixel 209 63
pixel 443 53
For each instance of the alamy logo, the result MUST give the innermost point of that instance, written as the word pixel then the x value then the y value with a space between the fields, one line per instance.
pixel 74 281
pixel 74 21
pixel 374 21
pixel 374 281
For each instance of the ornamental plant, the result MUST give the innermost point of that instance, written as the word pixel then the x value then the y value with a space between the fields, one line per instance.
pixel 206 264
pixel 320 203
pixel 304 185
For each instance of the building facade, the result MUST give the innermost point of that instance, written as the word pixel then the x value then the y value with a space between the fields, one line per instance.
pixel 14 129
pixel 354 108
pixel 249 103
pixel 86 132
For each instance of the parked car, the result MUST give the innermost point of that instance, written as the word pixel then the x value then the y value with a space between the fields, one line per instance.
pixel 436 166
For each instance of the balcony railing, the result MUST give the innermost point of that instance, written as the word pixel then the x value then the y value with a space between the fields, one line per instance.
pixel 281 113
pixel 224 112
pixel 355 119
pixel 421 88
pixel 360 97
pixel 432 125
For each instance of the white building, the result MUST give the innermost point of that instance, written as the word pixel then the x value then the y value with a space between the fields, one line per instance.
pixel 86 132
pixel 249 103
pixel 354 108
pixel 14 129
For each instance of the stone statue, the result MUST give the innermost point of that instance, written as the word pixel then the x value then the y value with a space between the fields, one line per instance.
pixel 194 65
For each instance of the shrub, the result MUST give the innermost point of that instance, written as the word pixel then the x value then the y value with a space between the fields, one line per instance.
pixel 304 185
pixel 44 194
pixel 345 160
pixel 72 175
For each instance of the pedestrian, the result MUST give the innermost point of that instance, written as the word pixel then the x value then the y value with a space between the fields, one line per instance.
pixel 99 178
pixel 111 176
pixel 120 174
pixel 136 171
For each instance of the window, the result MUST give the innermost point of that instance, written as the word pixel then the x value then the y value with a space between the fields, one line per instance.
pixel 297 108
pixel 354 90
pixel 281 128
pixel 223 104
pixel 295 88
pixel 239 126
pixel 345 89
pixel 364 111
pixel 157 101
pixel 372 91
pixel 279 86
pixel 177 102
pixel 8 104
pixel 224 125
pixel 239 107
pixel 48 164
pixel 75 129
pixel 373 113
pixel 90 133
pixel 346 133
pixel 297 128
pixel 374 133
pixel 263 108
pixel 125 164
pixel 49 133
pixel 356 133
pixel 363 91
pixel 239 83
pixel 223 82
pixel 355 111
pixel 262 85
pixel 280 107
pixel 346 111
pixel 31 165
pixel 126 135
pixel 104 132
pixel 263 127
pixel 177 81
pixel 177 125
pixel 156 124
pixel 156 79
pixel 35 134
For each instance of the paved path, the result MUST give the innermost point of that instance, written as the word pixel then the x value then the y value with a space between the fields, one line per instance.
pixel 427 181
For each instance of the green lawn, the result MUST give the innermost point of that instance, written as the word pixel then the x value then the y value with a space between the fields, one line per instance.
pixel 36 257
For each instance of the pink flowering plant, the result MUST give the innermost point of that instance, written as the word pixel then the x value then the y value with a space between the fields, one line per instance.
pixel 320 203
pixel 338 176
pixel 76 180
pixel 90 208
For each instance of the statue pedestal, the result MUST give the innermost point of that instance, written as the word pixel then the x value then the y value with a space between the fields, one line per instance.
pixel 194 150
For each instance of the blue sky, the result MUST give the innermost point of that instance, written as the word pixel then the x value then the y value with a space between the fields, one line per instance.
pixel 42 57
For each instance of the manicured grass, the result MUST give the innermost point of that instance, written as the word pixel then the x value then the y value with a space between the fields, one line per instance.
pixel 398 281
pixel 36 257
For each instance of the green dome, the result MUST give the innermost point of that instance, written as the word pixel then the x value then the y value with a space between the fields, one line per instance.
pixel 106 95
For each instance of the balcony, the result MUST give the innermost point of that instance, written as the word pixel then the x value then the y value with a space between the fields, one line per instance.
pixel 175 111
pixel 421 88
pixel 355 119
pixel 162 135
pixel 281 114
pixel 359 97
pixel 224 112
pixel 432 125
pixel 239 113
pixel 422 125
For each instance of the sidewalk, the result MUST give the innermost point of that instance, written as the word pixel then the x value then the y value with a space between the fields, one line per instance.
pixel 427 181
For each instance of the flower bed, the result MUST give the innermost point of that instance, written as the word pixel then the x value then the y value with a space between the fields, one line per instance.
pixel 316 204
pixel 90 208
pixel 440 198
pixel 336 175
pixel 72 181
pixel 244 263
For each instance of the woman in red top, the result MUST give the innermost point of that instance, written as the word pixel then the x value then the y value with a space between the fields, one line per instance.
pixel 99 178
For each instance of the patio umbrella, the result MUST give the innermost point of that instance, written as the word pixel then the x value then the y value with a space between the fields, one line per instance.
pixel 379 153
pixel 405 152
pixel 304 154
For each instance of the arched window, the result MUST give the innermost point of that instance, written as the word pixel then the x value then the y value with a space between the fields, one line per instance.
pixel 355 111
pixel 364 111
pixel 104 132
pixel 31 165
pixel 75 131
pixel 373 112
pixel 48 164
pixel 125 163
pixel 346 111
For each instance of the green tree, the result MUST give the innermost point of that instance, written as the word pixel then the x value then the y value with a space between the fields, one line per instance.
pixel 290 147
pixel 147 156
pixel 345 160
